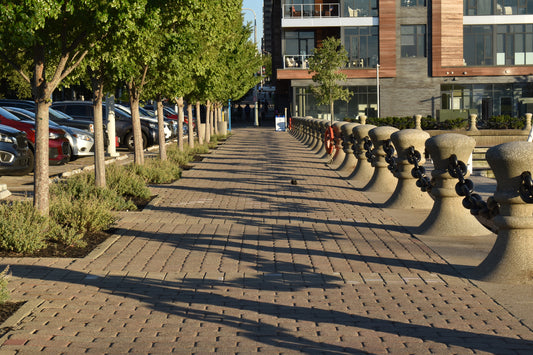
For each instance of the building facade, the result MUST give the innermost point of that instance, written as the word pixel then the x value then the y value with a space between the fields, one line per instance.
pixel 440 58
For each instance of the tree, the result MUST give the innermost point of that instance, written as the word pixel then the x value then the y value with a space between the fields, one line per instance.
pixel 55 37
pixel 325 66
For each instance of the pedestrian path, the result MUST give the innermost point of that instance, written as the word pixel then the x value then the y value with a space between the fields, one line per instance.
pixel 259 248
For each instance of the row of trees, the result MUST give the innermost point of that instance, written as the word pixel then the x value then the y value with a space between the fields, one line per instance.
pixel 186 50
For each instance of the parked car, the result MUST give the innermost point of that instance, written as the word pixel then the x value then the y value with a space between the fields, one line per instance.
pixel 170 114
pixel 123 126
pixel 59 147
pixel 81 141
pixel 16 157
pixel 146 117
pixel 58 117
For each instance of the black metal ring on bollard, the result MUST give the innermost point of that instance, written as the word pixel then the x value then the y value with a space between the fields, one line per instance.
pixel 526 187
pixel 418 172
pixel 465 187
pixel 389 156
pixel 369 147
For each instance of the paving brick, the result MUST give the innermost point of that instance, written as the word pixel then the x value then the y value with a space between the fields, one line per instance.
pixel 233 258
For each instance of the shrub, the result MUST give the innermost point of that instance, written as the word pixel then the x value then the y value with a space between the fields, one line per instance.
pixel 503 122
pixel 155 171
pixel 126 184
pixel 398 122
pixel 74 218
pixel 4 292
pixel 22 228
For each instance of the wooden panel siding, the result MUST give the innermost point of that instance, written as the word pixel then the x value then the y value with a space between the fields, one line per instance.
pixel 291 74
pixel 387 38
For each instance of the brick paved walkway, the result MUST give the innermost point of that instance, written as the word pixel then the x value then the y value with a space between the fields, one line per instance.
pixel 233 258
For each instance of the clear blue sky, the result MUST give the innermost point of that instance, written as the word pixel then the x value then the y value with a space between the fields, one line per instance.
pixel 257 6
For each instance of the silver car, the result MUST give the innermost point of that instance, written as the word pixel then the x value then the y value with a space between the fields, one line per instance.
pixel 81 141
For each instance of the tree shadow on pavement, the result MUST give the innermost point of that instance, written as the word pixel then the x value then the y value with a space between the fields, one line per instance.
pixel 186 298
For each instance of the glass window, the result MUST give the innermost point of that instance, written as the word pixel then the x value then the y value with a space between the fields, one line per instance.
pixel 412 3
pixel 361 43
pixel 477 46
pixel 413 40
pixel 497 7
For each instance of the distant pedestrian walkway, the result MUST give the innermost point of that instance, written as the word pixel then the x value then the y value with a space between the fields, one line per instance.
pixel 259 248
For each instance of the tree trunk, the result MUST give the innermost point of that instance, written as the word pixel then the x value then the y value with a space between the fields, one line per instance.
pixel 332 113
pixel 215 118
pixel 198 124
pixel 136 123
pixel 41 174
pixel 99 148
pixel 191 126
pixel 41 188
pixel 161 128
pixel 208 122
pixel 180 123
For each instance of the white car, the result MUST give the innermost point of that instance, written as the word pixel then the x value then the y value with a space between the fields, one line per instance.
pixel 168 132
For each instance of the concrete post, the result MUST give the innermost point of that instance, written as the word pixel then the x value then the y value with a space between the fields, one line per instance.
pixel 363 169
pixel 316 135
pixel 324 124
pixel 382 180
pixel 448 217
pixel 473 122
pixel 307 132
pixel 407 195
pixel 349 162
pixel 310 132
pixel 339 154
pixel 418 122
pixel 362 119
pixel 511 258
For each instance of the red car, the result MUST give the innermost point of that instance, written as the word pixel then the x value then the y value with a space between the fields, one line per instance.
pixel 59 148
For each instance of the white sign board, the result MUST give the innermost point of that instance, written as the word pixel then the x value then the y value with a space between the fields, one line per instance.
pixel 281 123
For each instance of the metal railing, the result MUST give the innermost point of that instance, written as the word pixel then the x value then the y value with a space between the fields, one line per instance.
pixel 296 61
pixel 311 10
pixel 302 62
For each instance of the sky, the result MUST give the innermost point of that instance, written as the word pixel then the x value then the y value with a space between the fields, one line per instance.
pixel 257 6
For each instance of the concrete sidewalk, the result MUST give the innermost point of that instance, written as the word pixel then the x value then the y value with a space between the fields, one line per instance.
pixel 233 258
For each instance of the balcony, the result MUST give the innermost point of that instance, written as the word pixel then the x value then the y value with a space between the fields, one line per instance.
pixel 299 11
pixel 296 61
pixel 302 62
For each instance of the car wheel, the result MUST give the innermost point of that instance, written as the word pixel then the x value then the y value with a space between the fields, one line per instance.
pixel 130 141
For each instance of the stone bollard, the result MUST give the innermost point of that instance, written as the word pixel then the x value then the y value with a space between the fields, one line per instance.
pixel 348 164
pixel 311 139
pixel 448 217
pixel 317 135
pixel 407 195
pixel 528 122
pixel 339 154
pixel 322 125
pixel 325 124
pixel 473 122
pixel 363 169
pixel 308 137
pixel 511 257
pixel 362 119
pixel 418 122
pixel 382 180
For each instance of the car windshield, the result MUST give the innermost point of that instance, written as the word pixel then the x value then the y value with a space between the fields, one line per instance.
pixel 29 115
pixel 8 114
pixel 145 112
pixel 59 114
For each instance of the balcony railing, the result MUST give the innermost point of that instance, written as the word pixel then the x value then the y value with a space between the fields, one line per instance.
pixel 311 10
pixel 302 62
pixel 296 61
